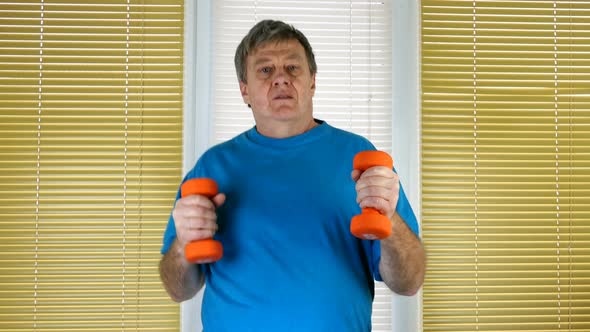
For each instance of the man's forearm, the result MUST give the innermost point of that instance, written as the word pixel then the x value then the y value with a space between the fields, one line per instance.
pixel 181 279
pixel 403 259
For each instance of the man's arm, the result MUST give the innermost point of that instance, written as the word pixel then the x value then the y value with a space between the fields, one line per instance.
pixel 403 259
pixel 181 279
pixel 194 219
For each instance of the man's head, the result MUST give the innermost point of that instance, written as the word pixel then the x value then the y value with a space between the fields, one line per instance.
pixel 276 72
pixel 269 31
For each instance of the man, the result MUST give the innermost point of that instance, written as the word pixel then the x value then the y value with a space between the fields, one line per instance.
pixel 283 213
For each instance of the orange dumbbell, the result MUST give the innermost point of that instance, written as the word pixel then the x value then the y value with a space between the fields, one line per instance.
pixel 371 224
pixel 206 250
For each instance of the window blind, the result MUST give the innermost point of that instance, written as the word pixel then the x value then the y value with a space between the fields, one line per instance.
pixel 352 44
pixel 506 165
pixel 90 159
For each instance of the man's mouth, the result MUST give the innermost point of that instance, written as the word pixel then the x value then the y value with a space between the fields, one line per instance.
pixel 282 97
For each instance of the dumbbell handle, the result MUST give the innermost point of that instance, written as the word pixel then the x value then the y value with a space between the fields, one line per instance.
pixel 206 250
pixel 371 224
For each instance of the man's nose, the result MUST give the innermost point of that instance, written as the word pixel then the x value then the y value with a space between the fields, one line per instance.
pixel 281 78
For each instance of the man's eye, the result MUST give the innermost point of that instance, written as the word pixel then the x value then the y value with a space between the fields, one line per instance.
pixel 265 70
pixel 291 68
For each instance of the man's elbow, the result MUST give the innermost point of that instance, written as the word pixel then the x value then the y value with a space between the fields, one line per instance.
pixel 409 288
pixel 175 285
pixel 413 279
pixel 178 298
pixel 407 284
pixel 408 291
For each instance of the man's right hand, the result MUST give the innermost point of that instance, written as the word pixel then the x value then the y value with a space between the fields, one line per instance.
pixel 195 217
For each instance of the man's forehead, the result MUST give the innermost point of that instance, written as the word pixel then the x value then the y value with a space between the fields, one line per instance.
pixel 290 48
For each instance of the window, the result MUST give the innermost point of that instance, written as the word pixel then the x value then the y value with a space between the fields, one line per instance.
pixel 90 160
pixel 505 165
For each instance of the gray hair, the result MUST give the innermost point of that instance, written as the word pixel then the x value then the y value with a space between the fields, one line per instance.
pixel 270 31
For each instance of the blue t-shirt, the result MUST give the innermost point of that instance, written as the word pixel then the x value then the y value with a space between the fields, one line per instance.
pixel 290 262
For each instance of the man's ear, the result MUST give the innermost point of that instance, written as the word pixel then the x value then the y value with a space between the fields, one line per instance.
pixel 313 84
pixel 244 92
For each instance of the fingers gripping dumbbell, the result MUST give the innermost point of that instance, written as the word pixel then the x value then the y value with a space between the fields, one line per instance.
pixel 206 250
pixel 371 224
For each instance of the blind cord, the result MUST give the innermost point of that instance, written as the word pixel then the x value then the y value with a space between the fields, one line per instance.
pixel 369 71
pixel 140 191
pixel 557 215
pixel 475 159
pixel 123 272
pixel 571 153
pixel 350 109
pixel 38 170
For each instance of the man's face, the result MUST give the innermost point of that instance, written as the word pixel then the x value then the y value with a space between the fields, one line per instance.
pixel 279 84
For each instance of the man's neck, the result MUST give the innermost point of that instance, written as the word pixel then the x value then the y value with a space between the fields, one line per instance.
pixel 285 129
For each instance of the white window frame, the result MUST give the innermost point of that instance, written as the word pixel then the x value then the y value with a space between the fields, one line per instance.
pixel 406 311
